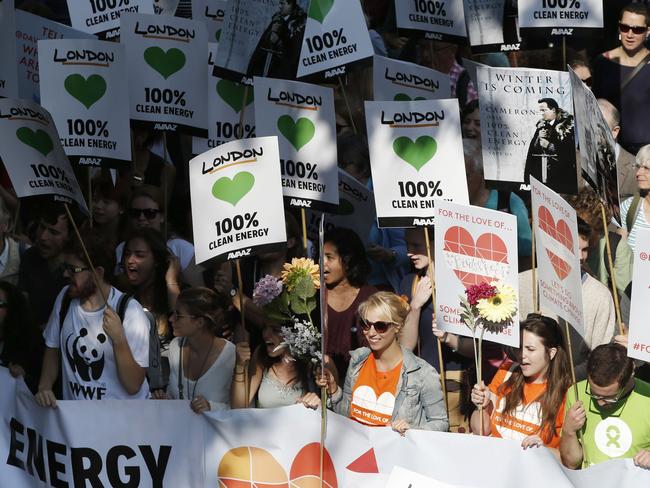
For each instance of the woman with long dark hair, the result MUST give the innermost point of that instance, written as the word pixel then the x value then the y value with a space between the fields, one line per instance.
pixel 525 400
pixel 346 270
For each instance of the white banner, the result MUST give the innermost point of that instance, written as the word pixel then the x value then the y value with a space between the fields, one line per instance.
pixel 597 146
pixel 162 443
pixel 440 20
pixel 236 195
pixel 473 245
pixel 166 59
pixel 32 154
pixel 8 68
pixel 401 81
pixel 492 26
pixel 302 116
pixel 335 35
pixel 561 14
pixel 638 345
pixel 102 17
pixel 416 158
pixel 30 29
pixel 213 13
pixel 558 255
pixel 527 127
pixel 86 83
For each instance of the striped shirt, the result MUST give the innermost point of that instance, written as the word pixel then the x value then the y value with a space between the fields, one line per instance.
pixel 639 223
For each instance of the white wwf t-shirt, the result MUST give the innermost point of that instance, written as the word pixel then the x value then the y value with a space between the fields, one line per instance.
pixel 88 363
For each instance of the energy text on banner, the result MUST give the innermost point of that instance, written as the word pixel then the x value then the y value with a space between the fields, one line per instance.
pixel 32 154
pixel 84 92
pixel 236 197
pixel 473 245
pixel 401 81
pixel 102 17
pixel 302 116
pixel 560 17
pixel 559 274
pixel 166 60
pixel 416 158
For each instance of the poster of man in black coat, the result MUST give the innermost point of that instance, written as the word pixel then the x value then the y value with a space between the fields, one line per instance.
pixel 551 155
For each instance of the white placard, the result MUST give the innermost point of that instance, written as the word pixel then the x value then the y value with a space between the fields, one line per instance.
pixel 225 101
pixel 638 345
pixel 492 26
pixel 165 7
pixel 335 35
pixel 405 478
pixel 401 81
pixel 416 158
pixel 597 146
pixel 8 70
pixel 560 14
pixel 356 210
pixel 102 17
pixel 558 255
pixel 213 13
pixel 166 63
pixel 84 92
pixel 439 19
pixel 302 116
pixel 515 106
pixel 30 29
pixel 473 245
pixel 32 154
pixel 236 195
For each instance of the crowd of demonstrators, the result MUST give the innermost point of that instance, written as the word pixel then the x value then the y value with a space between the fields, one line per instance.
pixel 130 315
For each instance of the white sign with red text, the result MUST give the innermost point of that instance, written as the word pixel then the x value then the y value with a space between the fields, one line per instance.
pixel 473 245
pixel 558 257
pixel 638 345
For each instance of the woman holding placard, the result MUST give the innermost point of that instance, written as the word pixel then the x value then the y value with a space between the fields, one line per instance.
pixel 386 384
pixel 525 400
pixel 345 269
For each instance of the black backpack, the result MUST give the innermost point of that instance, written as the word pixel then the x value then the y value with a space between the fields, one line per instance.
pixel 155 372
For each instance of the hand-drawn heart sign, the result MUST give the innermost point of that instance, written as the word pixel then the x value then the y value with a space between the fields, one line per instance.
pixel 560 232
pixel 474 262
pixel 233 190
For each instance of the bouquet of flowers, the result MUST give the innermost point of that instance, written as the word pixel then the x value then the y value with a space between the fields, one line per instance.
pixel 487 307
pixel 290 301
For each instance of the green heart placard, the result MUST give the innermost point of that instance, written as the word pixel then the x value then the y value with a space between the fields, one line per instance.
pixel 403 97
pixel 86 90
pixel 233 94
pixel 318 9
pixel 298 133
pixel 233 190
pixel 166 63
pixel 39 139
pixel 417 153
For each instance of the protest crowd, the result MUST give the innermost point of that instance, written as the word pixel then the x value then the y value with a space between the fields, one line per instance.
pixel 111 302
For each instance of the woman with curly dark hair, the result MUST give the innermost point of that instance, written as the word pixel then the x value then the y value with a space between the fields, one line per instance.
pixel 346 270
pixel 21 344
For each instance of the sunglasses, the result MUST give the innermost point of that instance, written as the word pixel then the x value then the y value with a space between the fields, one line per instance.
pixel 71 269
pixel 380 326
pixel 149 213
pixel 637 29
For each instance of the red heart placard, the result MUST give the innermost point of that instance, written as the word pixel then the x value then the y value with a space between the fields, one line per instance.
pixel 560 232
pixel 488 247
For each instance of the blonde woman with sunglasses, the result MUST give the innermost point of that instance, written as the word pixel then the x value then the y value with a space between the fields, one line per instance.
pixel 386 384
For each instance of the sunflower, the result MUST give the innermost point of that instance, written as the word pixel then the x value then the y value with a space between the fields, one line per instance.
pixel 297 269
pixel 500 307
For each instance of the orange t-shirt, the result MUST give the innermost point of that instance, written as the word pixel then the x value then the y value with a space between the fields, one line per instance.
pixel 373 395
pixel 527 418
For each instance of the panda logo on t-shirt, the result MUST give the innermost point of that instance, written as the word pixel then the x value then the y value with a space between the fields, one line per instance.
pixel 84 357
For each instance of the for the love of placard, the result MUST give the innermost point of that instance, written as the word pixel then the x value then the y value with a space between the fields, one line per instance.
pixel 416 158
pixel 558 260
pixel 473 245
pixel 236 196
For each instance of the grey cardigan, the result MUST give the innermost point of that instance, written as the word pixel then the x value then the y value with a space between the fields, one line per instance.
pixel 419 398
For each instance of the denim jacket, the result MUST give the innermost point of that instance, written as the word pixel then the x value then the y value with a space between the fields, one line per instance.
pixel 419 398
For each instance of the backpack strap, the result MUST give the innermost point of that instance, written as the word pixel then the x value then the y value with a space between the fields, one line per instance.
pixel 632 212
pixel 122 303
pixel 637 69
pixel 63 311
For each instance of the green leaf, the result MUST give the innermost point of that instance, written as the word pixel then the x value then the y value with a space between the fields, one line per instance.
pixel 304 287
pixel 277 315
